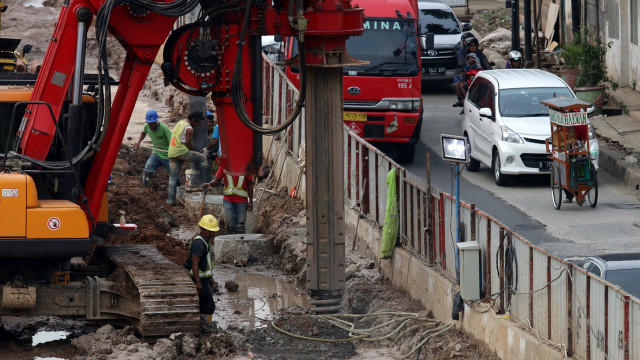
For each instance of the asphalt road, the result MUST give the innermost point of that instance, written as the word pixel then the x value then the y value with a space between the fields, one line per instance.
pixel 525 205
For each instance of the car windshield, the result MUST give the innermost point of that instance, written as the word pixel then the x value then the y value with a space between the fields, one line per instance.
pixel 627 279
pixel 525 102
pixel 439 22
pixel 387 47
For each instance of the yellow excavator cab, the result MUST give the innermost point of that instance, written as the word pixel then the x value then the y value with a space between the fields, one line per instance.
pixel 22 215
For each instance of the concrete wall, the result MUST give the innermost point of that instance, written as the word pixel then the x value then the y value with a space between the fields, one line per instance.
pixel 434 289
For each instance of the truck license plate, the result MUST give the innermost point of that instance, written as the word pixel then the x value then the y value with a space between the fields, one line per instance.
pixel 354 116
pixel 433 71
pixel 544 166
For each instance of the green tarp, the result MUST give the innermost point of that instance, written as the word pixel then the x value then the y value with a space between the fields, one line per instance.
pixel 390 229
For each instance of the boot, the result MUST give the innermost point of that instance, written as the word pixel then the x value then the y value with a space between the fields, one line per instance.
pixel 145 179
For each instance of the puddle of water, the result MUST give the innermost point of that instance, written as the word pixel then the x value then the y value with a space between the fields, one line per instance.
pixel 34 3
pixel 183 233
pixel 42 337
pixel 257 299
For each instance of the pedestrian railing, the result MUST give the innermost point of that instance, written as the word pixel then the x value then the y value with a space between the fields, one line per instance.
pixel 563 305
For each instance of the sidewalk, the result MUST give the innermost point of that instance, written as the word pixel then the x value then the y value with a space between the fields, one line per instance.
pixel 619 137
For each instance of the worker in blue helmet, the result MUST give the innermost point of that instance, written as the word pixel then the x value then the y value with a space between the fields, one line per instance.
pixel 160 135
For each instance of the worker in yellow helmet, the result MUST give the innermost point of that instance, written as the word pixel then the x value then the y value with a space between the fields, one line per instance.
pixel 200 265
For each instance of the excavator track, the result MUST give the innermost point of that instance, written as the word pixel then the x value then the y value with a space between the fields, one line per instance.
pixel 168 296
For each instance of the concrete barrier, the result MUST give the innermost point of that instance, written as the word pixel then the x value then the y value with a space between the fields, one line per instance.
pixel 242 249
pixel 435 291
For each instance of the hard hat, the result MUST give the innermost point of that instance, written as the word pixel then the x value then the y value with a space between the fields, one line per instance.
pixel 209 222
pixel 152 116
pixel 515 55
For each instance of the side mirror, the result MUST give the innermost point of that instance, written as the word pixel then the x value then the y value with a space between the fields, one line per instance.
pixel 486 113
pixel 467 26
pixel 397 52
pixel 26 49
pixel 408 31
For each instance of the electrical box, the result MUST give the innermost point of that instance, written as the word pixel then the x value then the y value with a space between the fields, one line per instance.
pixel 470 271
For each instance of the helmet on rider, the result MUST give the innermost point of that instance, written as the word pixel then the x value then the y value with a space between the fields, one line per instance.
pixel 515 56
pixel 465 37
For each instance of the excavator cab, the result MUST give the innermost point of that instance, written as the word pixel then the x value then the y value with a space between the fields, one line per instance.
pixel 10 59
pixel 36 215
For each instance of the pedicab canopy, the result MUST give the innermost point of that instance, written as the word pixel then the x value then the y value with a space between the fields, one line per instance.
pixel 567 111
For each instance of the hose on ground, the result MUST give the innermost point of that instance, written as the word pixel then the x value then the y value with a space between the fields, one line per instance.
pixel 399 321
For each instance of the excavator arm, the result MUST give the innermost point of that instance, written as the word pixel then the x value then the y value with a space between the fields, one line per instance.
pixel 141 33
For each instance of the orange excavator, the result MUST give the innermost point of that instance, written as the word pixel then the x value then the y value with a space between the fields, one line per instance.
pixel 60 133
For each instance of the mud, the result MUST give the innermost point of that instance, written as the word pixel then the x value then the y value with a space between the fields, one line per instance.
pixel 169 229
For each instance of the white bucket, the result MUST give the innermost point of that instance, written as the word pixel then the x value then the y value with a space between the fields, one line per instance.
pixel 192 178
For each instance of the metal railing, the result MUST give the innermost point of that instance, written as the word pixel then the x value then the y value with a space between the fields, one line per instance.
pixel 563 305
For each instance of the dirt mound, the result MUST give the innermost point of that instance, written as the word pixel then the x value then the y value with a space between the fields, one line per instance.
pixel 145 207
pixel 487 21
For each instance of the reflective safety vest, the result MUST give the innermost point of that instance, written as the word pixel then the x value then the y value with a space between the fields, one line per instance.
pixel 208 272
pixel 230 189
pixel 176 147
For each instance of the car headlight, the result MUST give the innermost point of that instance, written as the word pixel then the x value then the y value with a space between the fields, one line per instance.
pixel 511 136
pixel 404 105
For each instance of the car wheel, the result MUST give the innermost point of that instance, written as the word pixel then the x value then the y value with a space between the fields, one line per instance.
pixel 474 164
pixel 500 178
pixel 406 153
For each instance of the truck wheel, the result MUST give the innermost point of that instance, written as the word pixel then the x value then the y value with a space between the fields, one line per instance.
pixel 406 153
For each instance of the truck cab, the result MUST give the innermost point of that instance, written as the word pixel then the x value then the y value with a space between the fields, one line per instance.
pixel 382 99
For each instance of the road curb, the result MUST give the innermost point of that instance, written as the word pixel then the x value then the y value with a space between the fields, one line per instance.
pixel 614 162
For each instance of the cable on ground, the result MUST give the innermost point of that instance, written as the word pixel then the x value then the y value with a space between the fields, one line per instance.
pixel 399 325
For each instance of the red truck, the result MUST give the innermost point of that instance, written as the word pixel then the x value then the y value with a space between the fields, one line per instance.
pixel 383 99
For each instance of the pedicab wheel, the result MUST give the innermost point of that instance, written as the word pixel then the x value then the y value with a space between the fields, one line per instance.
pixel 592 195
pixel 556 187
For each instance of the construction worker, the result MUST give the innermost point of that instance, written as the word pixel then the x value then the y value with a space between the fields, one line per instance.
pixel 181 150
pixel 200 265
pixel 237 199
pixel 214 142
pixel 160 137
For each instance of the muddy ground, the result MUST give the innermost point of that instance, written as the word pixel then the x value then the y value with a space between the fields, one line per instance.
pixel 367 292
pixel 231 336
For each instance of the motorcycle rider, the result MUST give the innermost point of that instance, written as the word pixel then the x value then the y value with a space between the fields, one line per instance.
pixel 473 63
pixel 472 48
pixel 514 61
